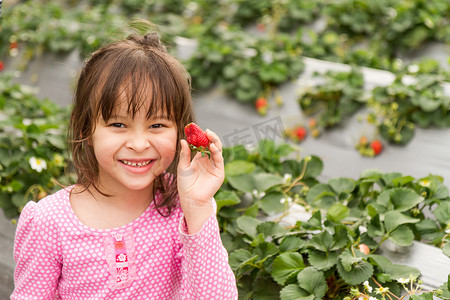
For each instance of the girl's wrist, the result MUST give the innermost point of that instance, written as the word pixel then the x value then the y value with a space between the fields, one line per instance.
pixel 196 213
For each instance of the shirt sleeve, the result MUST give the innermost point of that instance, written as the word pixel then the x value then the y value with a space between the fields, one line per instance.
pixel 35 253
pixel 205 269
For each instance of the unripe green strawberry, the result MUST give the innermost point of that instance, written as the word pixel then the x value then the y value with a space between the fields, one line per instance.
pixel 197 139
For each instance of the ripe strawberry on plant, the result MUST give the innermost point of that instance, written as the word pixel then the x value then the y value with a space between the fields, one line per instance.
pixel 197 139
pixel 2 66
pixel 261 105
pixel 377 146
pixel 300 133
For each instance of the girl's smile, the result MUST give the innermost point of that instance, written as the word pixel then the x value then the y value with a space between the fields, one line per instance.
pixel 137 166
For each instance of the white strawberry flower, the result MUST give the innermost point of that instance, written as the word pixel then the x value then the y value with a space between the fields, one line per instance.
pixel 287 177
pixel 403 280
pixel 367 286
pixel 38 164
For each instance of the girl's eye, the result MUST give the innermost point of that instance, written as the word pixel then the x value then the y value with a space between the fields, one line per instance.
pixel 157 126
pixel 117 125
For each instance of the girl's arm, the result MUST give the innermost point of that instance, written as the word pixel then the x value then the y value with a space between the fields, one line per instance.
pixel 206 273
pixel 198 181
pixel 37 267
pixel 205 268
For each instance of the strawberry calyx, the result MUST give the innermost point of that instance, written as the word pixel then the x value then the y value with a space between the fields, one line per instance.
pixel 203 150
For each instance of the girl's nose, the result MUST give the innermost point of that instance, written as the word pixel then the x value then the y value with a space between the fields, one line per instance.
pixel 139 142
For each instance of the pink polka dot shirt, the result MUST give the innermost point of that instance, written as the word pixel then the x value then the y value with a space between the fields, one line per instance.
pixel 153 257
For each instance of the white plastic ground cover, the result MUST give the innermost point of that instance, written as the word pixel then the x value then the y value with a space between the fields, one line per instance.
pixel 372 77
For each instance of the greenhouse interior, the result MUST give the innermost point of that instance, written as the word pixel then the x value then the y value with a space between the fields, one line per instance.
pixel 334 116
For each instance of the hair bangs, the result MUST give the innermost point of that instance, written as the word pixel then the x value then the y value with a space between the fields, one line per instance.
pixel 143 82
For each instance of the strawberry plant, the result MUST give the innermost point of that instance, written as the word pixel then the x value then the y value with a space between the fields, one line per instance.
pixel 335 99
pixel 291 236
pixel 393 25
pixel 246 66
pixel 32 146
pixel 399 107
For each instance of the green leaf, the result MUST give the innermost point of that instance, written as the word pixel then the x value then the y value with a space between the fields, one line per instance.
pixel 240 258
pixel 319 192
pixel 239 167
pixel 401 181
pixel 394 270
pixel 322 261
pixel 360 272
pixel 404 199
pixel 265 288
pixel 337 212
pixel 422 296
pixel 342 185
pixel 271 204
pixel 19 200
pixel 402 236
pixel 314 166
pixel 294 292
pixel 226 198
pixel 393 219
pixel 248 225
pixel 446 249
pixel 264 181
pixel 348 260
pixel 291 243
pixel 269 229
pixel 313 281
pixel 321 241
pixel 265 250
pixel 244 183
pixel 254 181
pixel 442 212
pixel 286 266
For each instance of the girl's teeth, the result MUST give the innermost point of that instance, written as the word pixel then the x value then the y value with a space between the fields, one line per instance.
pixel 133 164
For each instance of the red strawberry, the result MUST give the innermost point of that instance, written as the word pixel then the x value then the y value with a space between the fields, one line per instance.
pixel 377 146
pixel 13 45
pixel 300 133
pixel 196 138
pixel 261 105
pixel 2 66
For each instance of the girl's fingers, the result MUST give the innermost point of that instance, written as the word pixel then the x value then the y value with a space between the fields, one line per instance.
pixel 213 138
pixel 185 157
pixel 216 155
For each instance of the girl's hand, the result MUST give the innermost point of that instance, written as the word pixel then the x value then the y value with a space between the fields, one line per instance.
pixel 198 181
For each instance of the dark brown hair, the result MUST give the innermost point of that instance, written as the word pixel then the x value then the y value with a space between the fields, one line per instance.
pixel 135 66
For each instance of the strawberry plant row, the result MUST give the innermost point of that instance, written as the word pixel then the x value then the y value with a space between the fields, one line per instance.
pixel 394 104
pixel 248 62
pixel 328 247
pixel 32 146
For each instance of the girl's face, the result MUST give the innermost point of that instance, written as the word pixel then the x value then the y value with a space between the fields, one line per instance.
pixel 132 152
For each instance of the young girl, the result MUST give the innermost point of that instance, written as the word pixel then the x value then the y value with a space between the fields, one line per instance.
pixel 140 222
